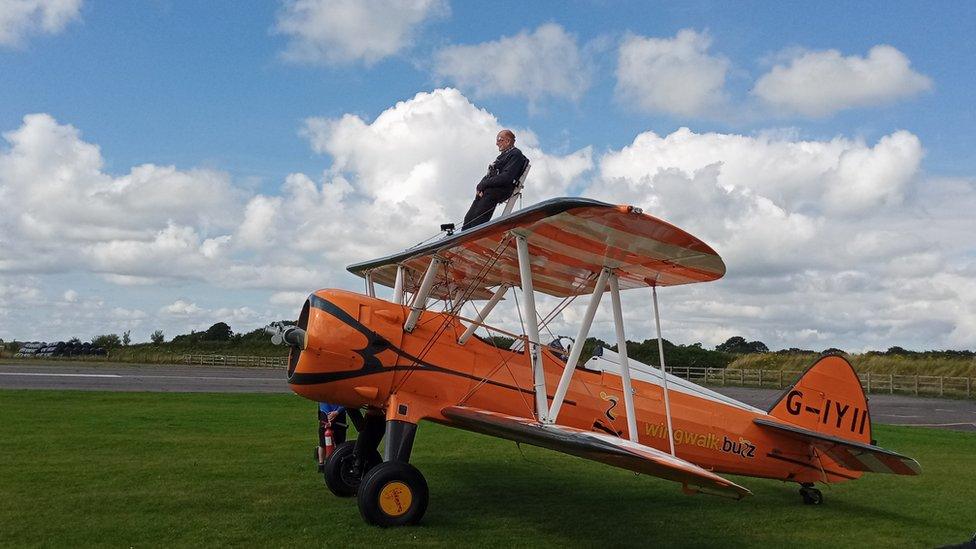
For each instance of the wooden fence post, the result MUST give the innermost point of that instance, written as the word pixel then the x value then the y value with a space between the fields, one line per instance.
pixel 940 385
pixel 760 377
pixel 916 384
pixel 891 384
pixel 869 382
pixel 781 379
pixel 723 377
pixel 967 387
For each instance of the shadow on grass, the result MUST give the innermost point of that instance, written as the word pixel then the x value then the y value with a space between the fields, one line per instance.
pixel 565 500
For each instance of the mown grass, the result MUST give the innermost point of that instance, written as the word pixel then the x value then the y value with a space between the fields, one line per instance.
pixel 863 363
pixel 140 469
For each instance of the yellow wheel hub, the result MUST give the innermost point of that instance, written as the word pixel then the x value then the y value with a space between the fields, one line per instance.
pixel 395 498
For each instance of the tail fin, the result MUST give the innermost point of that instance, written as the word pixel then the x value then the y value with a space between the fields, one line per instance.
pixel 827 399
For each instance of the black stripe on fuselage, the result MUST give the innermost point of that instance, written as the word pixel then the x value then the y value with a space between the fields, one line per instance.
pixel 376 344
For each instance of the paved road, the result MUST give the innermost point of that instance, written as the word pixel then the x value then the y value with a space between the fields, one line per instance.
pixel 891 409
pixel 154 378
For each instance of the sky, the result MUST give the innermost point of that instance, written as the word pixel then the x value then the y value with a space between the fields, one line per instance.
pixel 168 165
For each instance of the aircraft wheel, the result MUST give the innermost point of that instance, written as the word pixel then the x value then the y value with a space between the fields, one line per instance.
pixel 342 476
pixel 394 493
pixel 811 496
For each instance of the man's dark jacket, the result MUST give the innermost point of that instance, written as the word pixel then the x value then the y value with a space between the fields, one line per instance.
pixel 503 174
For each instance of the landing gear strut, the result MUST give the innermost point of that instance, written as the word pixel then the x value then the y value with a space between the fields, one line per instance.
pixel 351 461
pixel 810 495
pixel 394 493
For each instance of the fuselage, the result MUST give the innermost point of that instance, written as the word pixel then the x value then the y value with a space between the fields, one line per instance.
pixel 357 354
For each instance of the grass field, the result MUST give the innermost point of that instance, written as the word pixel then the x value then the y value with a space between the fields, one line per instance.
pixel 139 469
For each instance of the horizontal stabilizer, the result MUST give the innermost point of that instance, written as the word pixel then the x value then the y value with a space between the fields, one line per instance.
pixel 856 456
pixel 594 446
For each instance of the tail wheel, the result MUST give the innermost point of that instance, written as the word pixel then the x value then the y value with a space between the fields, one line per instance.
pixel 343 473
pixel 394 493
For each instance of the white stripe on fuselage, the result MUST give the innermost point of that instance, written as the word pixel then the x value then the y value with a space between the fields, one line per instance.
pixel 638 370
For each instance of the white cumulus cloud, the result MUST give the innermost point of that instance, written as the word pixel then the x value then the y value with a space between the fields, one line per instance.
pixel 22 18
pixel 64 212
pixel 181 308
pixel 671 75
pixel 827 242
pixel 344 31
pixel 546 62
pixel 820 83
pixel 413 167
pixel 840 175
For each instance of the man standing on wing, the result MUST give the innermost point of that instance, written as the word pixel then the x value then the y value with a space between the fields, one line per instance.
pixel 497 186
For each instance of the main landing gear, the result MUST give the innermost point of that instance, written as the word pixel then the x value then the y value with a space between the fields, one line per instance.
pixel 810 495
pixel 351 461
pixel 389 493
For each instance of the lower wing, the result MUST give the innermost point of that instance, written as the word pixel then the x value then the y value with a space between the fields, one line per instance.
pixel 595 446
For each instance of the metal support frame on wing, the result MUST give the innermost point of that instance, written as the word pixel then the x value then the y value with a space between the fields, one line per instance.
pixel 518 190
pixel 532 321
pixel 420 298
pixel 577 350
pixel 370 288
pixel 483 313
pixel 618 321
pixel 398 285
pixel 664 374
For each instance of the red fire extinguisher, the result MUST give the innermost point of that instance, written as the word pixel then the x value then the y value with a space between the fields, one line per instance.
pixel 329 446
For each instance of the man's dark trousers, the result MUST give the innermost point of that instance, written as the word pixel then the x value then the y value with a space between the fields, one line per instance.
pixel 483 207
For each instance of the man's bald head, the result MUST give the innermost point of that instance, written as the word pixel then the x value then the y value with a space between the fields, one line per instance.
pixel 505 139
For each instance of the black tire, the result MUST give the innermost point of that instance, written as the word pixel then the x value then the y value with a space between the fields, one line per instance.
pixel 341 474
pixel 394 493
pixel 811 496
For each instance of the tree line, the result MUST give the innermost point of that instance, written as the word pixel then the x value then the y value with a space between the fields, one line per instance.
pixel 220 335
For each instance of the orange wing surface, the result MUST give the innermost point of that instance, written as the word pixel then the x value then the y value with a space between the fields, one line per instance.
pixel 600 447
pixel 570 240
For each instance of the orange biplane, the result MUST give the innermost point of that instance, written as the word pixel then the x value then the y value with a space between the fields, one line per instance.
pixel 404 362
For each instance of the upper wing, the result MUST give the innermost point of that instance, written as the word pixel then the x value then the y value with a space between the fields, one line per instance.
pixel 570 241
pixel 856 456
pixel 595 446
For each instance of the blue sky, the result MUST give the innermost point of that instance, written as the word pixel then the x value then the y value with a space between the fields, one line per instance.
pixel 216 94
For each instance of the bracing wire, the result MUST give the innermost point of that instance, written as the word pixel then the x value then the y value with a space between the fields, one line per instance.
pixel 468 291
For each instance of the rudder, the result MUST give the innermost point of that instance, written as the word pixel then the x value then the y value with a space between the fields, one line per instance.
pixel 828 399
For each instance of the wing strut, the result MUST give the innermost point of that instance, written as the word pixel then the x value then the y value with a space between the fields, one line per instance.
pixel 370 287
pixel 483 313
pixel 535 353
pixel 574 353
pixel 618 321
pixel 398 285
pixel 664 375
pixel 420 298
